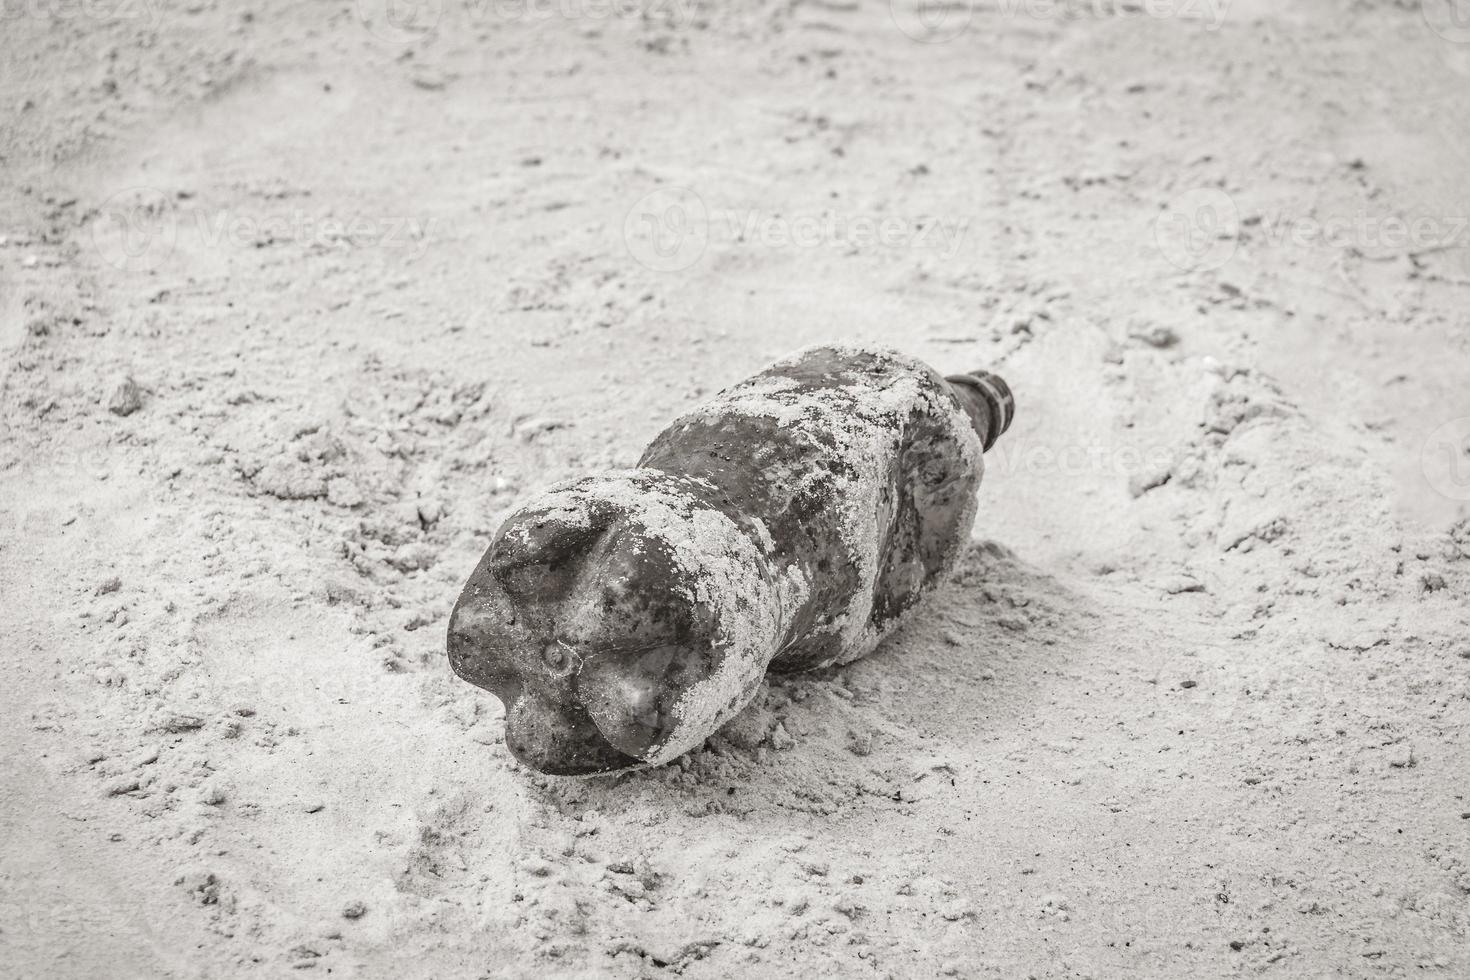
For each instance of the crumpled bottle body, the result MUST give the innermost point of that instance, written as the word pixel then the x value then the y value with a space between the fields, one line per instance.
pixel 787 524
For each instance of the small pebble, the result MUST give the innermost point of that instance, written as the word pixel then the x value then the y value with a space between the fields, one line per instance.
pixel 126 398
pixel 1155 335
pixel 781 739
pixel 956 910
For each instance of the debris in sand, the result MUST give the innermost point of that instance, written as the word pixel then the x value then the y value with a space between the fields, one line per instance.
pixel 860 743
pixel 179 724
pixel 122 786
pixel 201 885
pixel 1153 334
pixel 1182 584
pixel 126 398
pixel 803 511
pixel 781 739
pixel 528 430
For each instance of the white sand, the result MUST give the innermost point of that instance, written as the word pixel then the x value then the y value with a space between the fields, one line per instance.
pixel 1199 710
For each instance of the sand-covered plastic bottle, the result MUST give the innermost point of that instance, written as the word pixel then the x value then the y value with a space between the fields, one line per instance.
pixel 789 523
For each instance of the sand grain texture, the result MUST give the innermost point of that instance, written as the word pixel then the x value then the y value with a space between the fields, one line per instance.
pixel 1194 705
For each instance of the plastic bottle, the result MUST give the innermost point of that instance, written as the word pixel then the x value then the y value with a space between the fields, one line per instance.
pixel 789 523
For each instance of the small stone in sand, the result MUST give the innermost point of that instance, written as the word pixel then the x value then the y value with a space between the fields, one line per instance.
pixel 781 739
pixel 126 398
pixel 1153 334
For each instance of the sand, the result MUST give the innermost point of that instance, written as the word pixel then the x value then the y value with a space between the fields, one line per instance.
pixel 296 309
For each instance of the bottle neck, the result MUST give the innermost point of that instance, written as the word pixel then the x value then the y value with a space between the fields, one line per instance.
pixel 987 399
